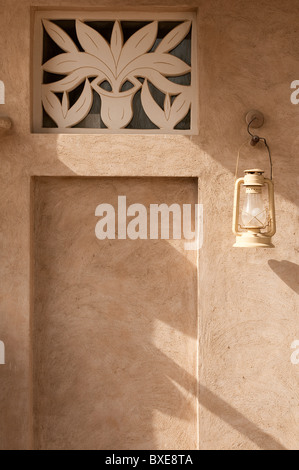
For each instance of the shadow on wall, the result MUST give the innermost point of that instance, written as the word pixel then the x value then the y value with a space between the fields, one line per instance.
pixel 108 312
pixel 229 414
pixel 287 271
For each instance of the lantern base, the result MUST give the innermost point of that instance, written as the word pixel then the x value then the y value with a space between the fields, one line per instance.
pixel 253 240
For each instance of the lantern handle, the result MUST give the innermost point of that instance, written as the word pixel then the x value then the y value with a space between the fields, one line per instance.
pixel 237 206
pixel 272 229
pixel 254 140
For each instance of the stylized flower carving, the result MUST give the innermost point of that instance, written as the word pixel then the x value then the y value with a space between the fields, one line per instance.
pixel 116 63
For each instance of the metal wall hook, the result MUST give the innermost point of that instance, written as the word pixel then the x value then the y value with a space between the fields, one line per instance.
pixel 255 119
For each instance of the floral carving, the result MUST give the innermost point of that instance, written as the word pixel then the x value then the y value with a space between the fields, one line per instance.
pixel 117 62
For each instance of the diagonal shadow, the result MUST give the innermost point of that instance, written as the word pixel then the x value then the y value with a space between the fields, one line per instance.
pixel 287 271
pixel 222 409
pixel 237 420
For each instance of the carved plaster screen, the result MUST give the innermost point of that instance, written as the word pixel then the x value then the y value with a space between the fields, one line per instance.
pixel 99 72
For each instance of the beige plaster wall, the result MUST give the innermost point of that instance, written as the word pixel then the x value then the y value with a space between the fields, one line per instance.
pixel 114 322
pixel 248 300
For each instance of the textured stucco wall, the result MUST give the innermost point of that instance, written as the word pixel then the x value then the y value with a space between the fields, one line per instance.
pixel 248 304
pixel 114 323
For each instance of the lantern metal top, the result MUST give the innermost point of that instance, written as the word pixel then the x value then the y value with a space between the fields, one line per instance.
pixel 254 177
pixel 254 171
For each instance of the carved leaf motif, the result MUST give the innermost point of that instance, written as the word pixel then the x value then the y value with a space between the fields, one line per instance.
pixel 117 63
pixel 165 64
pixel 167 106
pixel 171 115
pixel 63 63
pixel 60 113
pixel 138 44
pixel 180 108
pixel 116 41
pixel 164 85
pixel 82 106
pixel 94 43
pixel 53 107
pixel 152 109
pixel 60 37
pixel 174 37
pixel 65 104
pixel 69 62
pixel 68 83
pixel 73 80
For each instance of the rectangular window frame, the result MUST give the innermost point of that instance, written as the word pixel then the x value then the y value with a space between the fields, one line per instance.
pixel 37 72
